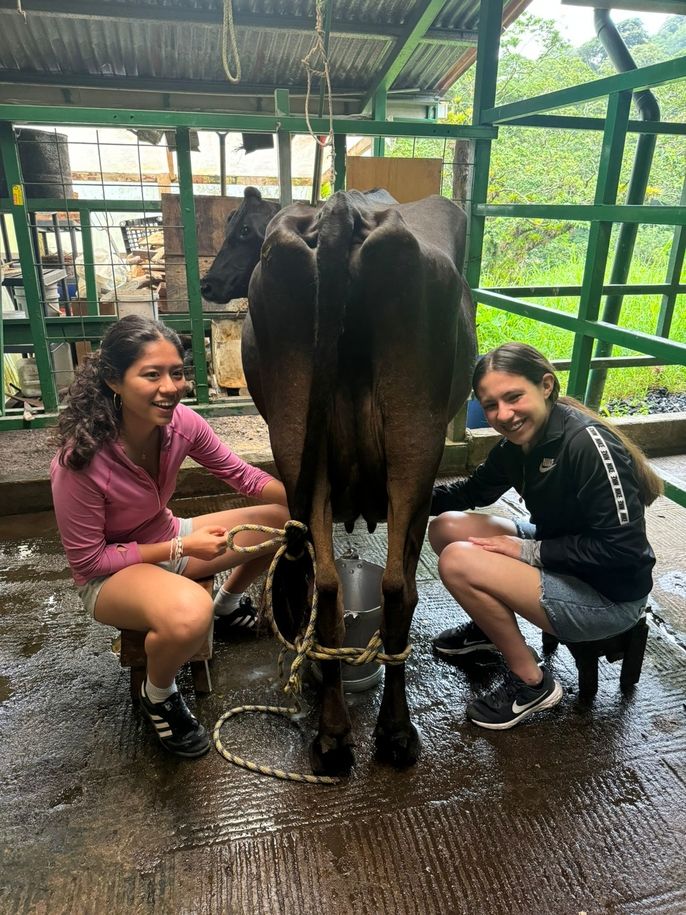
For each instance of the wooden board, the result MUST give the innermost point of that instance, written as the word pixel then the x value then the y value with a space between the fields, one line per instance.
pixel 210 224
pixel 226 352
pixel 404 179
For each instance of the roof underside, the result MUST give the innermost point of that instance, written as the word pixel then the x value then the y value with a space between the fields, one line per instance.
pixel 173 47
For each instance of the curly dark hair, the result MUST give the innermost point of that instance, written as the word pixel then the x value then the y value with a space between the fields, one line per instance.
pixel 91 419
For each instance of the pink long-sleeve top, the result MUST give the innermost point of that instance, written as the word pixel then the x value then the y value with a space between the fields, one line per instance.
pixel 105 510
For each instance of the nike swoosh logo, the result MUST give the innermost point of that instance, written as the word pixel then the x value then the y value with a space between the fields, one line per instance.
pixel 518 709
pixel 474 642
pixel 546 469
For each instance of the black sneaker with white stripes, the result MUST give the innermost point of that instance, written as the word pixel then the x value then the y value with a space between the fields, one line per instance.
pixel 514 701
pixel 178 730
pixel 244 616
pixel 462 640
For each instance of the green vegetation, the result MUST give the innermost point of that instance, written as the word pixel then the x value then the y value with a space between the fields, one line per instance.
pixel 559 166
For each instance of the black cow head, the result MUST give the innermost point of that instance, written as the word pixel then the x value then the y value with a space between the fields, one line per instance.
pixel 230 273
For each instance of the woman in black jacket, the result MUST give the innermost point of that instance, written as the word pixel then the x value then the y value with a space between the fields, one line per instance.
pixel 581 569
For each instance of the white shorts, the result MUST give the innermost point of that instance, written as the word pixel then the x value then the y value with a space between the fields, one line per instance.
pixel 90 591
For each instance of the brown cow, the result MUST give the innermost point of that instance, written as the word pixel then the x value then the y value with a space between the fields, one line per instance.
pixel 358 349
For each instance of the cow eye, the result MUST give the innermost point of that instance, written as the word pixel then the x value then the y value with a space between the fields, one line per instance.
pixel 245 231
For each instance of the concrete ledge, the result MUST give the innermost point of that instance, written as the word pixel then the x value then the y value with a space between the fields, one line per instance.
pixel 23 492
pixel 656 436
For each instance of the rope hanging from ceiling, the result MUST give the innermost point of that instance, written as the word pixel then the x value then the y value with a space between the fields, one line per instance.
pixel 229 44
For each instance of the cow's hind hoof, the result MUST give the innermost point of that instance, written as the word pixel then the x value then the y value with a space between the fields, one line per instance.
pixel 332 756
pixel 399 748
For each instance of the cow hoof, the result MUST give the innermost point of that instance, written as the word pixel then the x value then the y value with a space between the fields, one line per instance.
pixel 332 756
pixel 398 748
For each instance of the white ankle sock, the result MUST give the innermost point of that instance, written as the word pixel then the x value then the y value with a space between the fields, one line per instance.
pixel 158 694
pixel 225 602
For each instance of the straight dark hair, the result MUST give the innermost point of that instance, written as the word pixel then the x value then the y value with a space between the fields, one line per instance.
pixel 91 419
pixel 522 359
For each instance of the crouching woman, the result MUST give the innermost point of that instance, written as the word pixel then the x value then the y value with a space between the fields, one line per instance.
pixel 122 440
pixel 580 569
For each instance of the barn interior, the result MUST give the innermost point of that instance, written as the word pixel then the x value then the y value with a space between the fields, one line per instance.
pixel 580 810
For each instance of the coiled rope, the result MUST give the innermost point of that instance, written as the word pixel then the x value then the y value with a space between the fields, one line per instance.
pixel 304 647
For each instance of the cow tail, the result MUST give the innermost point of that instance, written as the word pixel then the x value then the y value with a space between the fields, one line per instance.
pixel 335 236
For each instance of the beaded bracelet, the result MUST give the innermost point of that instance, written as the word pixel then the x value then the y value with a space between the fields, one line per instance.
pixel 175 550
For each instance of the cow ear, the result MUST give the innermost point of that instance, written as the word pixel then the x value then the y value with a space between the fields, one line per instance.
pixel 252 192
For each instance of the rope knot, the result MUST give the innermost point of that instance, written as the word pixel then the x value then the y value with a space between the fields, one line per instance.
pixel 295 534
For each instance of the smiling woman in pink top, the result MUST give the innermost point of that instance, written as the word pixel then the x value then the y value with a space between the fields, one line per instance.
pixel 123 438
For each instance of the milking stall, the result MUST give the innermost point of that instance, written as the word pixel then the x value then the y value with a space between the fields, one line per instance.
pixel 181 160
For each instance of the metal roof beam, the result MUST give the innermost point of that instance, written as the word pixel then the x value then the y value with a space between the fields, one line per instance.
pixel 90 9
pixel 415 29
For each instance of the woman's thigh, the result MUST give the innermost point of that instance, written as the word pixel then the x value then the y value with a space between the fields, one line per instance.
pixel 466 569
pixel 273 516
pixel 454 526
pixel 145 596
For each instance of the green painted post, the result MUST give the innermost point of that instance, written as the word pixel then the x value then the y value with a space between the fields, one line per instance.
pixel 614 137
pixel 488 48
pixel 674 268
pixel 340 150
pixel 379 109
pixel 282 106
pixel 28 261
pixel 89 264
pixel 190 247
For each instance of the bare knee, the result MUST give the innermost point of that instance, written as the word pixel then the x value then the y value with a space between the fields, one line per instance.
pixel 188 617
pixel 448 528
pixel 459 565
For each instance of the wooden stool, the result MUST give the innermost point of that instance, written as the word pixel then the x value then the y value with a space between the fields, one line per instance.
pixel 629 647
pixel 132 654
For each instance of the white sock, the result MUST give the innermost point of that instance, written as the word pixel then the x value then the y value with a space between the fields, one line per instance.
pixel 156 693
pixel 225 602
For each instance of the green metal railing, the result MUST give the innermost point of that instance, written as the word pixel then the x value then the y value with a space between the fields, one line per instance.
pixel 601 215
pixel 37 332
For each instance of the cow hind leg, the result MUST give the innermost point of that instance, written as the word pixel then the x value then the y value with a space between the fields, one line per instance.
pixel 331 752
pixel 397 740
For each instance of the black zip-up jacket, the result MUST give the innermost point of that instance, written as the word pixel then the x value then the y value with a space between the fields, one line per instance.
pixel 579 486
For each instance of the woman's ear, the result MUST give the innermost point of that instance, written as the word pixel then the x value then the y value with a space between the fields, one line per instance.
pixel 113 386
pixel 547 383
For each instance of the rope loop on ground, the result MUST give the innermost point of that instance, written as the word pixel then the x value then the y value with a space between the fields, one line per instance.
pixel 304 646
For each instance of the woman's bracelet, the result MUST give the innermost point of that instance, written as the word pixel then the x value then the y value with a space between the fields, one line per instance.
pixel 175 550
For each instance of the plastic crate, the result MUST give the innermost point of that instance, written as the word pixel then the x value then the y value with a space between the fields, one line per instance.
pixel 135 231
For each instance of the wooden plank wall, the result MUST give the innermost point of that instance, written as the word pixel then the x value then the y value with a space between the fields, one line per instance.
pixel 404 179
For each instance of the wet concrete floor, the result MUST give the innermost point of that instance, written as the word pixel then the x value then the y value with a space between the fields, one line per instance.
pixel 576 810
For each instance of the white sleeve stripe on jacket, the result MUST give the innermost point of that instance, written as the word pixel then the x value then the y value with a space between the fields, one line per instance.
pixel 612 474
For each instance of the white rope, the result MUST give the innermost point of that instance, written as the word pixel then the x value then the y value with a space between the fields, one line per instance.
pixel 229 38
pixel 20 10
pixel 316 63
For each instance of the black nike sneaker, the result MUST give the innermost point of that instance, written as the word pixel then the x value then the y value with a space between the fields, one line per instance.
pixel 462 640
pixel 514 701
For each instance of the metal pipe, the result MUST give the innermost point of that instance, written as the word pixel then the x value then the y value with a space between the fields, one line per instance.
pixel 222 162
pixel 645 147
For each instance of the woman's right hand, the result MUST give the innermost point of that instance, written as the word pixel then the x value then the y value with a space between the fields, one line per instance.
pixel 205 542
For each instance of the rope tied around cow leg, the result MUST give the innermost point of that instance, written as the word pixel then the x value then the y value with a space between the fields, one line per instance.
pixel 293 538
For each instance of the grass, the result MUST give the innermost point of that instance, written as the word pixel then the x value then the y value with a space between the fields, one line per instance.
pixel 638 313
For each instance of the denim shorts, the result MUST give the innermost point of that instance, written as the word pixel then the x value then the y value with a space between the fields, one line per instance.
pixel 90 591
pixel 577 612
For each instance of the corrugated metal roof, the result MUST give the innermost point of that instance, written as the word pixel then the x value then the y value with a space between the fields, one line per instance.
pixel 175 45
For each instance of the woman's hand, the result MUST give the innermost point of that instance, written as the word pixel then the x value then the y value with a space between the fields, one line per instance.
pixel 205 542
pixel 504 544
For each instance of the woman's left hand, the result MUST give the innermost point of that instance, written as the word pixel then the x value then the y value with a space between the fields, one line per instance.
pixel 504 544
